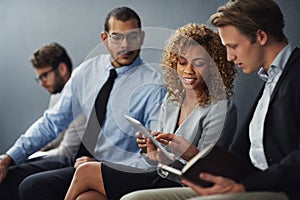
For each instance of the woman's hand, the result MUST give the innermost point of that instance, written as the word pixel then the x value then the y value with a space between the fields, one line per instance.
pixel 141 141
pixel 156 154
pixel 81 160
pixel 147 146
pixel 179 145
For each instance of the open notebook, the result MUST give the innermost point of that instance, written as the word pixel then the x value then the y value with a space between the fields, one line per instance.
pixel 212 159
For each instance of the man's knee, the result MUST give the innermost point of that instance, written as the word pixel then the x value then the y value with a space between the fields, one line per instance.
pixel 30 187
pixel 46 185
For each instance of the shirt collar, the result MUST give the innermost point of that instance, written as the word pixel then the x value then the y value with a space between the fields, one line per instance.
pixel 277 65
pixel 122 70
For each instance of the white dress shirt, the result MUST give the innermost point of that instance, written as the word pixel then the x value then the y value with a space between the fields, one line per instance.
pixel 256 127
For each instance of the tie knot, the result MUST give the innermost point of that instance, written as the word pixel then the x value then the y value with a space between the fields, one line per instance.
pixel 112 74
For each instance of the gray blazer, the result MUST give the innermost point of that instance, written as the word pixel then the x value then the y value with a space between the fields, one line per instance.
pixel 212 124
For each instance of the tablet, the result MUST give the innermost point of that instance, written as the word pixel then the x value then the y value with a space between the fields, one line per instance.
pixel 146 133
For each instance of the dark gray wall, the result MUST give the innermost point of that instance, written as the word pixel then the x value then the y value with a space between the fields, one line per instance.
pixel 28 24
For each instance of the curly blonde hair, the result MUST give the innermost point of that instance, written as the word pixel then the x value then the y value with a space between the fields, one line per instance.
pixel 222 73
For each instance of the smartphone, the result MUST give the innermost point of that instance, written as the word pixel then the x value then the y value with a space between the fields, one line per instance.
pixel 139 127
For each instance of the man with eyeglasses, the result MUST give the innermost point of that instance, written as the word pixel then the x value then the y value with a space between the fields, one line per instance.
pixel 137 91
pixel 53 67
pixel 132 37
pixel 42 79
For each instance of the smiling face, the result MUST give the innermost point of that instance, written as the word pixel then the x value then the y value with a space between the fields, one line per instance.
pixel 247 55
pixel 123 41
pixel 192 68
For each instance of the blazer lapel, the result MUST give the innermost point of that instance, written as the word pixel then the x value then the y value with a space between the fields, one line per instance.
pixel 172 113
pixel 292 59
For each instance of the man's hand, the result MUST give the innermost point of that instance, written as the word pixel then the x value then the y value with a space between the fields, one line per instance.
pixel 4 165
pixel 83 159
pixel 221 185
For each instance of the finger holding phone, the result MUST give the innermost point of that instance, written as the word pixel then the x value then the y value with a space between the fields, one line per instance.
pixel 155 153
pixel 179 145
pixel 147 146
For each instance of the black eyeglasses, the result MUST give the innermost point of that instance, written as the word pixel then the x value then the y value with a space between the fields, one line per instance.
pixel 44 75
pixel 117 38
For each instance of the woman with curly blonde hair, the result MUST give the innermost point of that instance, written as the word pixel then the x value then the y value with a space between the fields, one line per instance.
pixel 210 40
pixel 195 113
pixel 197 108
pixel 199 81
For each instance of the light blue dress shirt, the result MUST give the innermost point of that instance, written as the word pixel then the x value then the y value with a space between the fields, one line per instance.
pixel 137 92
pixel 256 127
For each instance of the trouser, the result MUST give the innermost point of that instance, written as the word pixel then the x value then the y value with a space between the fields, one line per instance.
pixel 49 185
pixel 17 173
pixel 246 196
pixel 187 193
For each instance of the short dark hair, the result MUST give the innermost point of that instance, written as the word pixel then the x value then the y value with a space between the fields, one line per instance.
pixel 51 55
pixel 250 15
pixel 123 14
